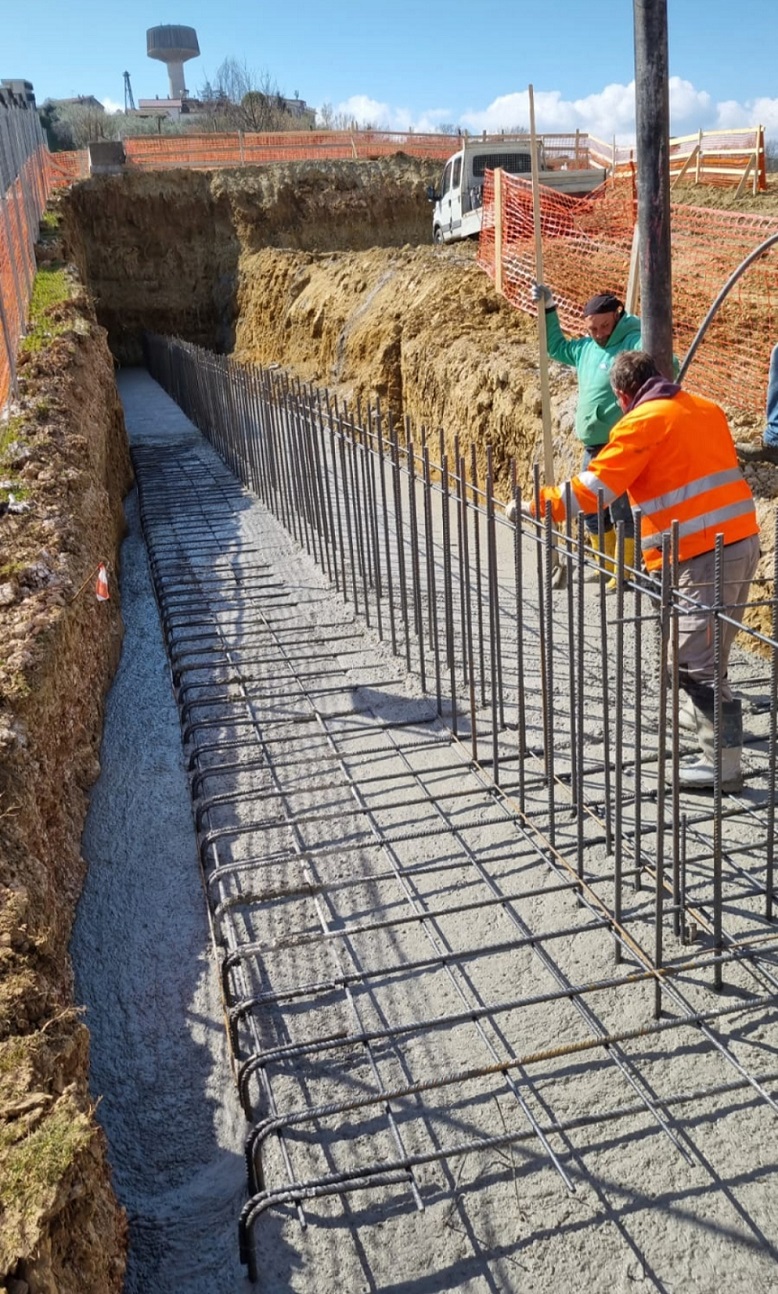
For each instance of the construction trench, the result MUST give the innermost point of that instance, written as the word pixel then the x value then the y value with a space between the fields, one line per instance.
pixel 438 946
pixel 405 968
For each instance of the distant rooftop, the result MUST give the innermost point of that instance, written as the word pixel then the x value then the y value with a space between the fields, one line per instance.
pixel 78 101
pixel 20 89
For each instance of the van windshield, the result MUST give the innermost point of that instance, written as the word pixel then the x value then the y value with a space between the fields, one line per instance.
pixel 513 163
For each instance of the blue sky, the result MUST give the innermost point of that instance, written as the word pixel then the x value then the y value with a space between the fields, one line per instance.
pixel 407 64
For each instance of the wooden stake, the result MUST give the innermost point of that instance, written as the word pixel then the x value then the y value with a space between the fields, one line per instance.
pixel 745 176
pixel 632 298
pixel 498 228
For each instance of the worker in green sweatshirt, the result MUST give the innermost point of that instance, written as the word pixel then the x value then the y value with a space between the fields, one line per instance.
pixel 609 330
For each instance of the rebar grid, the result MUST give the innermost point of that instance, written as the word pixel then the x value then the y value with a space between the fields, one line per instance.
pixel 244 673
pixel 277 426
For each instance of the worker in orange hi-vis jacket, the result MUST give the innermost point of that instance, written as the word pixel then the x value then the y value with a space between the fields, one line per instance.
pixel 673 453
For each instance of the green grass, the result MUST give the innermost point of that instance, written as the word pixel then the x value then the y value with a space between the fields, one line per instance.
pixel 49 220
pixel 20 493
pixel 51 288
pixel 9 432
pixel 34 1162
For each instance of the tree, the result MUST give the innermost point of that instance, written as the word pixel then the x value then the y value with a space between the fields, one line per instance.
pixel 240 99
pixel 76 125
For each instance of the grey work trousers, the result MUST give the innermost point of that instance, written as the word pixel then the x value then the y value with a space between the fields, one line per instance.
pixel 695 628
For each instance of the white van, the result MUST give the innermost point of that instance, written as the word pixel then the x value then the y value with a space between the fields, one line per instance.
pixel 459 200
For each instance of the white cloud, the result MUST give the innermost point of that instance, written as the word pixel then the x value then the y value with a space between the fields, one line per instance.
pixel 688 106
pixel 605 113
pixel 370 112
pixel 754 112
pixel 111 105
pixel 610 111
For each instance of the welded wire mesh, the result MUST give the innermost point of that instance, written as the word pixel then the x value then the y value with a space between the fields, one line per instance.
pixel 513 822
pixel 474 921
pixel 410 539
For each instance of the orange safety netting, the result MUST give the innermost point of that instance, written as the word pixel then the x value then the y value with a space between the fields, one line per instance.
pixel 586 249
pixel 215 150
pixel 20 210
pixel 722 157
pixel 210 150
pixel 64 168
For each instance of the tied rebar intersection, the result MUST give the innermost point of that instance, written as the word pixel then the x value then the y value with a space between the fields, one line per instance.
pixel 466 840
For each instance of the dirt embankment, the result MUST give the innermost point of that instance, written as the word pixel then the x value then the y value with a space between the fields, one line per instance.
pixel 327 269
pixel 64 465
pixel 161 251
pixel 420 328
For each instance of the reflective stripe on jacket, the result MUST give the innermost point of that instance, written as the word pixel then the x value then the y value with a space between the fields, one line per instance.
pixel 673 453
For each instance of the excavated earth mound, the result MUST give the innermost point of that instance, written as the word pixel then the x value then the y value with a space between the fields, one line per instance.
pixel 64 463
pixel 326 270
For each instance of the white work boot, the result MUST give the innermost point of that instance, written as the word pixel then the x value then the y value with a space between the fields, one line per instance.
pixel 699 774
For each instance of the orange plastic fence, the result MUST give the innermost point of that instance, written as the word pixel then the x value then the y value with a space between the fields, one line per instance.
pixel 20 211
pixel 715 157
pixel 207 151
pixel 720 157
pixel 64 168
pixel 586 249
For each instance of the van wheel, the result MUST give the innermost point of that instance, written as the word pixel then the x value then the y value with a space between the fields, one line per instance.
pixel 437 234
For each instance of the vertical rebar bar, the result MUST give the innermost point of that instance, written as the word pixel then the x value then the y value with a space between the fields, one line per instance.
pixel 659 873
pixel 618 754
pixel 494 616
pixel 675 730
pixel 415 571
pixel 569 567
pixel 432 595
pixel 638 717
pixel 580 660
pixel 448 597
pixel 604 659
pixel 478 587
pixel 718 735
pixel 385 511
pixel 495 601
pixel 467 620
pixel 459 486
pixel 521 706
pixel 400 537
pixel 772 743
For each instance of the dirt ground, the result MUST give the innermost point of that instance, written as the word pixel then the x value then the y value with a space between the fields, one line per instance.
pixel 322 269
pixel 64 463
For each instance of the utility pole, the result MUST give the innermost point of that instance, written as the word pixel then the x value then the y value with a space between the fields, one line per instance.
pixel 652 114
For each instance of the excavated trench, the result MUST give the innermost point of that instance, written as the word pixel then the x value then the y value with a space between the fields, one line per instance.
pixel 327 272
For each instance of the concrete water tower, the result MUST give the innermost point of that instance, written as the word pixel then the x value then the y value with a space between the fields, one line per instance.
pixel 173 45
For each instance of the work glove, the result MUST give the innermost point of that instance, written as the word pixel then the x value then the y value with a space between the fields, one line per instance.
pixel 510 509
pixel 539 292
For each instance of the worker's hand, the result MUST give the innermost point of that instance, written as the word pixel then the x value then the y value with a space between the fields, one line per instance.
pixel 539 292
pixel 510 509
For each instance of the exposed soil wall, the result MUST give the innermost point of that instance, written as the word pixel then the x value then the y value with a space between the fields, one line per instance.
pixel 325 268
pixel 64 453
pixel 160 251
pixel 420 328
